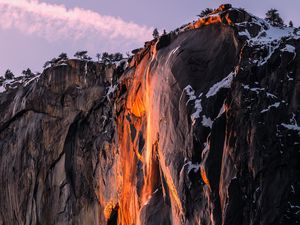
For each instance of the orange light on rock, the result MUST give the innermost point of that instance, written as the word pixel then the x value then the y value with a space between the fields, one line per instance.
pixel 109 208
pixel 204 177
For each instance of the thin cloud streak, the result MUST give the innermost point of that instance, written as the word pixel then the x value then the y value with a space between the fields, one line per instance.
pixel 56 22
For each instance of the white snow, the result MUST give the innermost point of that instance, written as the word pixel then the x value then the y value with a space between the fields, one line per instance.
pixel 85 68
pixel 111 90
pixel 245 86
pixel 32 79
pixel 289 78
pixel 245 33
pixel 2 89
pixel 275 105
pixel 269 37
pixel 198 108
pixel 190 92
pixel 289 48
pixel 270 95
pixel 197 104
pixel 192 166
pixel 256 89
pixel 294 127
pixel 125 61
pixel 207 122
pixel 225 83
pixel 6 83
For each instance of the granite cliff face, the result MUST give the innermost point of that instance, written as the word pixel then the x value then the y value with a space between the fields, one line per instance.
pixel 200 128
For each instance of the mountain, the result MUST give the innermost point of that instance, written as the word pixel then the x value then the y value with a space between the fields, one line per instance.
pixel 201 127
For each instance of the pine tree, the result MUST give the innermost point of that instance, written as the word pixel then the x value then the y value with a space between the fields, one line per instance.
pixel 63 56
pixel 274 18
pixel 27 73
pixel 9 75
pixel 105 57
pixel 155 33
pixel 118 57
pixel 47 63
pixel 291 24
pixel 205 12
pixel 98 56
pixel 81 55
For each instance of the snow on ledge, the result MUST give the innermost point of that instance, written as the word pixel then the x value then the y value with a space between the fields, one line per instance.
pixel 190 92
pixel 294 127
pixel 191 167
pixel 289 48
pixel 225 83
pixel 275 105
pixel 207 122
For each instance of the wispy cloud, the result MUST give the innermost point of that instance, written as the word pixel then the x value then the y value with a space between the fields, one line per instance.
pixel 56 22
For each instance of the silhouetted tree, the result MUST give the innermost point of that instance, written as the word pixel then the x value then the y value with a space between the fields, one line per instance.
pixel 105 57
pixel 87 58
pixel 205 12
pixel 98 55
pixel 81 55
pixel 274 18
pixel 9 75
pixel 291 24
pixel 47 64
pixel 117 57
pixel 155 33
pixel 27 73
pixel 63 56
pixel 165 32
pixel 110 58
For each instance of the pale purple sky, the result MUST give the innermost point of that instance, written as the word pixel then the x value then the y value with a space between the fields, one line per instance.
pixel 34 31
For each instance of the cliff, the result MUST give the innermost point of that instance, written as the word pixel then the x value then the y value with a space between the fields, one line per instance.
pixel 200 128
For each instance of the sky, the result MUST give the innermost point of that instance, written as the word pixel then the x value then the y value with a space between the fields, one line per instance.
pixel 34 31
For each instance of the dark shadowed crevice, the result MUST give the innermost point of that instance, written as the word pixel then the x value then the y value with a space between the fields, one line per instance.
pixel 69 149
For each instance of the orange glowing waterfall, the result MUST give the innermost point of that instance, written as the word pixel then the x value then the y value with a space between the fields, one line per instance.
pixel 149 173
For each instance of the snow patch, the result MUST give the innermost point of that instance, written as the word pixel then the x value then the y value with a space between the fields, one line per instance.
pixel 197 104
pixel 268 38
pixel 111 90
pixel 192 166
pixel 198 108
pixel 85 68
pixel 294 127
pixel 190 93
pixel 270 95
pixel 275 105
pixel 207 122
pixel 225 83
pixel 255 89
pixel 2 89
pixel 123 61
pixel 31 80
pixel 245 33
pixel 289 48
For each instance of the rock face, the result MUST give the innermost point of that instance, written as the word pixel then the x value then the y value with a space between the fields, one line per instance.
pixel 200 128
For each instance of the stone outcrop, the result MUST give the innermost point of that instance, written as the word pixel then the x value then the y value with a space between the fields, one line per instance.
pixel 200 128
